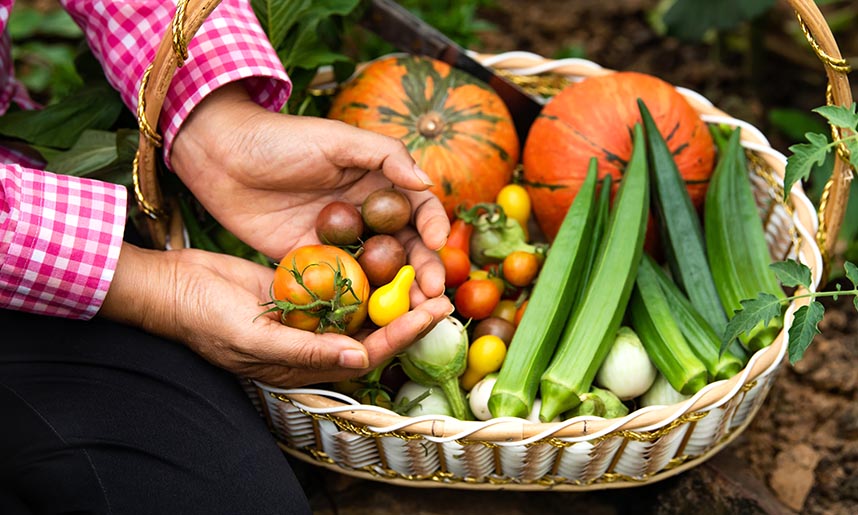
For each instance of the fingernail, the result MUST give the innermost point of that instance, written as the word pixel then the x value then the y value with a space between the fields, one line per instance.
pixel 351 358
pixel 421 175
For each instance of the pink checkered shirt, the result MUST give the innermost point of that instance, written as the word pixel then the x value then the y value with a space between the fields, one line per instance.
pixel 59 235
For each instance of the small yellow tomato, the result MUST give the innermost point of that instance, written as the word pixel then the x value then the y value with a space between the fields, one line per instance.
pixel 515 201
pixel 505 309
pixel 487 275
pixel 391 300
pixel 485 355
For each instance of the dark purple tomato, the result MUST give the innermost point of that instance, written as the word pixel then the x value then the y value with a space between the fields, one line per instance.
pixel 382 256
pixel 386 211
pixel 339 223
pixel 496 326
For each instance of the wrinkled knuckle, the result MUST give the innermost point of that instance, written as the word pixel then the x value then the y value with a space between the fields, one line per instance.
pixel 312 356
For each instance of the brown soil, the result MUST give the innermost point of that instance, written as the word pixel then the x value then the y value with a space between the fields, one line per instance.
pixel 803 444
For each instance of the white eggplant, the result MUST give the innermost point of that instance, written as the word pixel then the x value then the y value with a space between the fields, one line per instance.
pixel 627 370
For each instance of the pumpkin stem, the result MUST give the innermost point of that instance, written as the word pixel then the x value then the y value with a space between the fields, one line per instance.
pixel 430 125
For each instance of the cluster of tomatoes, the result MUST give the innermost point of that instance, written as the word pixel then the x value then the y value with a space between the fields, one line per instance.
pixel 359 270
pixel 500 286
pixel 491 296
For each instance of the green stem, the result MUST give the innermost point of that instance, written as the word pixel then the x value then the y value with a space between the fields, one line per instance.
pixel 454 395
pixel 814 295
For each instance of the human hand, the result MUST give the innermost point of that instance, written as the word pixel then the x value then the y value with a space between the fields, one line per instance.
pixel 210 302
pixel 265 176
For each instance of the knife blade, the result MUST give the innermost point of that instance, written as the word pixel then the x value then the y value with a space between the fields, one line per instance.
pixel 410 34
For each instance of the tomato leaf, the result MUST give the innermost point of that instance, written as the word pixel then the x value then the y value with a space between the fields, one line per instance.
pixel 803 329
pixel 761 309
pixel 852 274
pixel 792 273
pixel 844 117
pixel 804 157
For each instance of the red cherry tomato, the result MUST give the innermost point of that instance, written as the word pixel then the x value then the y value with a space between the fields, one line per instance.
pixel 457 265
pixel 476 298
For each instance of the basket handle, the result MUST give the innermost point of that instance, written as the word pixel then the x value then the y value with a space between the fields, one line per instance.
pixel 832 204
pixel 171 53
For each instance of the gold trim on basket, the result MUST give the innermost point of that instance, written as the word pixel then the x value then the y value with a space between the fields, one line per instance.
pixel 143 123
pixel 542 85
pixel 180 42
pixel 837 64
pixel 761 168
pixel 148 209
pixel 344 424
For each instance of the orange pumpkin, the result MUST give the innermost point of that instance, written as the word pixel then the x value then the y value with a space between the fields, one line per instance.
pixel 456 127
pixel 595 117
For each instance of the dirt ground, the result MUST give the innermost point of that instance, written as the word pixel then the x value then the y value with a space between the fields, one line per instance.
pixel 804 442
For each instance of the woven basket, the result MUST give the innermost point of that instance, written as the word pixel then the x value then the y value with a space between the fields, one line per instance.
pixel 583 453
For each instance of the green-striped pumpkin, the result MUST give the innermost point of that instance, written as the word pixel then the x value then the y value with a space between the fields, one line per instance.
pixel 456 127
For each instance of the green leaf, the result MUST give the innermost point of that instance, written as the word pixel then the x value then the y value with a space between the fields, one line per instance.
pixel 58 23
pixel 754 311
pixel 804 157
pixel 840 116
pixel 23 22
pixel 61 124
pixel 92 151
pixel 99 155
pixel 692 19
pixel 792 273
pixel 803 329
pixel 278 16
pixel 302 47
pixel 312 58
pixel 851 273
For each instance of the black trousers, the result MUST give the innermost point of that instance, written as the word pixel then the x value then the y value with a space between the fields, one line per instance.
pixel 96 417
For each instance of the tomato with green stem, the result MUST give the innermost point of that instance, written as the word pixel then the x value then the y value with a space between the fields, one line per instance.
pixel 320 288
pixel 490 275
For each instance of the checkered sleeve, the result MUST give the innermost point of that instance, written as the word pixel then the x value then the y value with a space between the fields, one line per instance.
pixel 60 238
pixel 230 46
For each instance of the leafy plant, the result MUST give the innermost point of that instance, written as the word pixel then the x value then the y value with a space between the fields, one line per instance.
pixel 306 36
pixel 765 307
pixel 46 43
pixel 819 146
pixel 814 159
